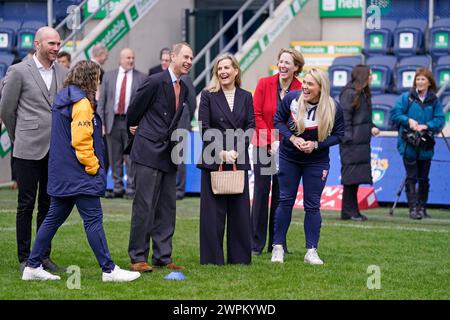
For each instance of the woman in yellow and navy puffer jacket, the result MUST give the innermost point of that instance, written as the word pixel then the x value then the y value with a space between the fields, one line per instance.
pixel 76 173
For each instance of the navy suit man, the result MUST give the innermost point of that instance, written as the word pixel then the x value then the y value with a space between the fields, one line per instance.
pixel 153 116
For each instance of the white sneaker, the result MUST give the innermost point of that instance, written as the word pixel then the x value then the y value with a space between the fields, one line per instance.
pixel 312 257
pixel 38 274
pixel 119 275
pixel 278 253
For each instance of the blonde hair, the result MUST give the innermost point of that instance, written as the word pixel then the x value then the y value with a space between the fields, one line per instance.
pixel 299 61
pixel 214 84
pixel 326 108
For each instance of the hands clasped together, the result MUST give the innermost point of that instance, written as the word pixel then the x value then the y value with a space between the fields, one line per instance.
pixel 303 145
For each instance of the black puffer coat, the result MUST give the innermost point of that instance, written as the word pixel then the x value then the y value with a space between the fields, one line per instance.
pixel 355 147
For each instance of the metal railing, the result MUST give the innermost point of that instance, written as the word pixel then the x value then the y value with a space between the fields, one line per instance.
pixel 238 17
pixel 79 28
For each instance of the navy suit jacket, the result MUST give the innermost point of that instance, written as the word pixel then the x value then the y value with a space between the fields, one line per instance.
pixel 153 110
pixel 214 113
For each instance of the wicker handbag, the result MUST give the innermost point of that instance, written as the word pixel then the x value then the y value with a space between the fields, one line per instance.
pixel 227 182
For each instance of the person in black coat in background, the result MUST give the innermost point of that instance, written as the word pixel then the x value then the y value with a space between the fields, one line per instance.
pixel 355 100
pixel 225 109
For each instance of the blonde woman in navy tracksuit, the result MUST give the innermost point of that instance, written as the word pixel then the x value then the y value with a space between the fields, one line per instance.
pixel 310 122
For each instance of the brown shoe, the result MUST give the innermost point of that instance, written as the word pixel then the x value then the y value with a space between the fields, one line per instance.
pixel 141 267
pixel 172 266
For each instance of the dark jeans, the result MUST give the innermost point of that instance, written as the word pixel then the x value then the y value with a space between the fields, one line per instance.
pixel 314 178
pixel 31 178
pixel 90 211
pixel 417 171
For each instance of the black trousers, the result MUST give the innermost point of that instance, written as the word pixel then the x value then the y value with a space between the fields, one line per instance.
pixel 264 176
pixel 350 201
pixel 215 212
pixel 417 171
pixel 32 177
pixel 181 180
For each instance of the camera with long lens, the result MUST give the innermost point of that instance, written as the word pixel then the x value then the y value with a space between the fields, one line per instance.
pixel 419 139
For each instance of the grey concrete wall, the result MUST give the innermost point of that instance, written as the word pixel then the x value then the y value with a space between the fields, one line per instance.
pixel 305 26
pixel 342 29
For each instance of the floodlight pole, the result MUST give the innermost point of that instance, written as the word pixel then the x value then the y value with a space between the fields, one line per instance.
pixel 50 13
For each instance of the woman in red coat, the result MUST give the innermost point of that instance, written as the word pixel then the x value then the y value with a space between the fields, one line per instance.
pixel 269 93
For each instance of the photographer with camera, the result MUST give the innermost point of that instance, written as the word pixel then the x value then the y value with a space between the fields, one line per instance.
pixel 419 115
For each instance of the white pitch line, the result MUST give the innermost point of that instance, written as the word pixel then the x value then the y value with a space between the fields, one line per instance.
pixel 123 217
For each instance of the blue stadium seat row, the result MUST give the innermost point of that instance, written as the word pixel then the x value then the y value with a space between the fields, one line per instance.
pixel 15 34
pixel 389 74
pixel 407 38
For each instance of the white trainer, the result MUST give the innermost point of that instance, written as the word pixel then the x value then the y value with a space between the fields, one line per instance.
pixel 38 274
pixel 278 253
pixel 312 257
pixel 119 275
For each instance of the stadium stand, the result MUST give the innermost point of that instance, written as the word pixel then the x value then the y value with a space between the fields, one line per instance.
pixel 380 41
pixel 340 72
pixel 406 69
pixel 382 73
pixel 442 71
pixel 6 59
pixel 439 35
pixel 25 35
pixel 381 107
pixel 8 33
pixel 409 37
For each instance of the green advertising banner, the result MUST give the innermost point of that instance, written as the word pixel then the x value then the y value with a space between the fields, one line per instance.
pixel 444 75
pixel 112 34
pixel 377 117
pixel 376 41
pixel 122 24
pixel 441 40
pixel 376 78
pixel 92 5
pixel 340 8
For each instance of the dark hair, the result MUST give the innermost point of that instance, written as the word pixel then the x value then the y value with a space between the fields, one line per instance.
pixel 85 75
pixel 360 81
pixel 64 54
pixel 429 75
pixel 164 51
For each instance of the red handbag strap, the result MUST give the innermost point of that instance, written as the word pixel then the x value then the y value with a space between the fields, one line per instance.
pixel 234 167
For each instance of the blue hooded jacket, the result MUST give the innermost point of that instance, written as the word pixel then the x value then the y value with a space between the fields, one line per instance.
pixel 429 112
pixel 67 176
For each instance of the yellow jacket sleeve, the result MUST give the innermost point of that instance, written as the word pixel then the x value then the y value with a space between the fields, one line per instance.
pixel 82 129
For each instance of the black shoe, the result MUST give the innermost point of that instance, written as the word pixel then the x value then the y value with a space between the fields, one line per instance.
pixel 180 196
pixel 49 265
pixel 359 217
pixel 113 195
pixel 345 217
pixel 22 266
pixel 129 196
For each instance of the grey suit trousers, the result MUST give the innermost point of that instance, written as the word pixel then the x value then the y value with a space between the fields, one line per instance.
pixel 153 216
pixel 117 141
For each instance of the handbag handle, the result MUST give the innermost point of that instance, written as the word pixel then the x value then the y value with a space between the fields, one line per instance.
pixel 234 167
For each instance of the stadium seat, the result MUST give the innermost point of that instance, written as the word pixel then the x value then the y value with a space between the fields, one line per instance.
pixel 406 70
pixel 25 36
pixel 381 110
pixel 438 38
pixel 379 41
pixel 340 72
pixel 8 31
pixel 382 72
pixel 408 37
pixel 442 72
pixel 6 59
pixel 445 100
